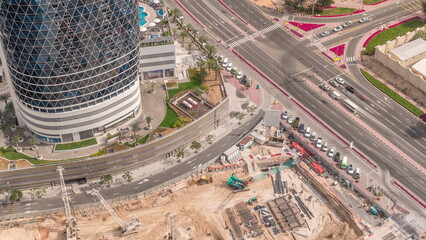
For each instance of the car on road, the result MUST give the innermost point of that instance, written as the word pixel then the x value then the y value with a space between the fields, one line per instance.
pixel 331 152
pixel 333 83
pixel 347 24
pixel 290 119
pixel 284 116
pixel 364 19
pixel 319 143
pixel 338 29
pixel 350 89
pixel 239 75
pixel 324 147
pixel 339 80
pixel 351 169
pixel 326 33
pixel 324 87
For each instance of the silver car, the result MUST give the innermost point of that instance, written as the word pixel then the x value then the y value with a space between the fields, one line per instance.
pixel 290 119
pixel 347 24
pixel 364 19
pixel 326 33
pixel 331 152
pixel 333 83
pixel 339 80
pixel 338 29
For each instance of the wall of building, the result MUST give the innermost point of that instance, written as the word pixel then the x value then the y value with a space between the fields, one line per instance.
pixel 382 55
pixel 157 61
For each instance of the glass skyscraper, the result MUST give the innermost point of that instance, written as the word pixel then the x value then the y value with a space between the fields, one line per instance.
pixel 72 64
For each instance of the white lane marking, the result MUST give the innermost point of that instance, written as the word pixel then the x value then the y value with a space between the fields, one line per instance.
pixel 194 167
pixel 49 205
pixel 157 180
pixel 27 208
pixel 6 211
pixel 136 188
pixel 208 155
pixel 223 145
pixel 174 173
pixel 360 133
pixel 375 145
pixel 188 162
pixel 27 211
pixel 346 123
pixel 115 193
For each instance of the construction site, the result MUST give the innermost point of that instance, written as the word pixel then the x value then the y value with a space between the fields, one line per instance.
pixel 261 195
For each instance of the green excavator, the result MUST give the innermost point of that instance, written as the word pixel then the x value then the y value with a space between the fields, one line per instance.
pixel 237 183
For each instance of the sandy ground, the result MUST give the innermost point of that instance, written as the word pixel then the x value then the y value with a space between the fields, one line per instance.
pixel 196 211
pixel 395 80
pixel 19 164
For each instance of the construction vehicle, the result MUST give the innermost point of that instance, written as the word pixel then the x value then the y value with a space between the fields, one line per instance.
pixel 126 228
pixel 252 200
pixel 237 183
pixel 202 180
pixel 71 223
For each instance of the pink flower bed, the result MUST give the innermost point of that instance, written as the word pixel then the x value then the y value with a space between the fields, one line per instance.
pixel 276 19
pixel 341 15
pixel 327 56
pixel 376 2
pixel 343 66
pixel 306 26
pixel 296 33
pixel 338 50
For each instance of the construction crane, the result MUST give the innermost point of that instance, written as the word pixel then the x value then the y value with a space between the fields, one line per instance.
pixel 71 230
pixel 126 228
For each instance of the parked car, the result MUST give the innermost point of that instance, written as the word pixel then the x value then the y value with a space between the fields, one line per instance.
pixel 290 119
pixel 229 67
pixel 350 89
pixel 364 19
pixel 338 29
pixel 313 136
pixel 347 24
pixel 333 83
pixel 319 143
pixel 357 173
pixel 326 33
pixel 324 87
pixel 239 75
pixel 339 80
pixel 284 116
pixel 243 79
pixel 302 128
pixel 336 157
pixel 331 152
pixel 307 132
pixel 297 119
pixel 351 169
pixel 324 147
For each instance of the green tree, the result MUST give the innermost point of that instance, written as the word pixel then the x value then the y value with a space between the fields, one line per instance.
pixel 210 50
pixel 202 74
pixel 325 3
pixel 3 128
pixel 190 45
pixel 233 71
pixel 211 63
pixel 195 146
pixel 5 97
pixel 183 34
pixel 420 34
pixel 15 139
pixel 175 13
pixel 202 39
pixel 16 195
pixel 106 180
pixel 210 138
pixel 127 176
pixel 295 124
pixel 135 128
pixel 1 115
pixel 2 151
pixel 251 109
pixel 189 27
pixel 240 116
pixel 31 141
pixel 39 192
pixel 148 120
pixel 178 153
pixel 174 32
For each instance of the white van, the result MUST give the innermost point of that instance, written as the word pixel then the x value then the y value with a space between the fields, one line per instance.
pixel 344 163
pixel 357 173
pixel 335 95
pixel 225 62
pixel 229 67
pixel 308 132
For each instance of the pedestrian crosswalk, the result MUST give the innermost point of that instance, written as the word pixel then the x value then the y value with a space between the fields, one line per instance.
pixel 350 59
pixel 413 6
pixel 320 46
pixel 254 35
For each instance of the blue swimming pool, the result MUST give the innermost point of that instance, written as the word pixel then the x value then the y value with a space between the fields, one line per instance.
pixel 160 12
pixel 142 16
pixel 153 36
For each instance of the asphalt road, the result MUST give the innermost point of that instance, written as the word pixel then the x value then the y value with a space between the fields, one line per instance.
pixel 280 55
pixel 138 186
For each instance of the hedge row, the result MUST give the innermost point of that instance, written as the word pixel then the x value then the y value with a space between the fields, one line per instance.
pixel 392 94
pixel 392 33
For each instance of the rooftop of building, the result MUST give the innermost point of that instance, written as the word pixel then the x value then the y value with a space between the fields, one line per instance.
pixel 410 49
pixel 420 67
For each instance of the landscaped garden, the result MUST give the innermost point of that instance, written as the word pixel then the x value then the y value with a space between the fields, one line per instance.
pixel 392 94
pixel 373 2
pixel 75 145
pixel 336 11
pixel 391 33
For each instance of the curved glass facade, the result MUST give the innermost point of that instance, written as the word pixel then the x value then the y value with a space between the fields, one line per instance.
pixel 67 54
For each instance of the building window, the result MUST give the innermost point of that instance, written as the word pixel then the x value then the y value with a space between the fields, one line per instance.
pixel 153 74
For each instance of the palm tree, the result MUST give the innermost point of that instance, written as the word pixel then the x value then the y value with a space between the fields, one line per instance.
pixel 135 127
pixel 9 106
pixel 15 140
pixel 189 45
pixel 16 195
pixel 183 35
pixel 127 176
pixel 106 180
pixel 179 153
pixel 240 117
pixel 4 97
pixel 148 121
pixel 1 115
pixel 216 69
pixel 31 141
pixel 202 64
pixel 202 39
pixel 174 32
pixel 195 146
pixel 189 27
pixel 210 138
pixel 211 62
pixel 3 128
pixel 210 50
pixel 195 32
pixel 174 13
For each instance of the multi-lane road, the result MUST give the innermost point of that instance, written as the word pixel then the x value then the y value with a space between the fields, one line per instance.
pixel 279 55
